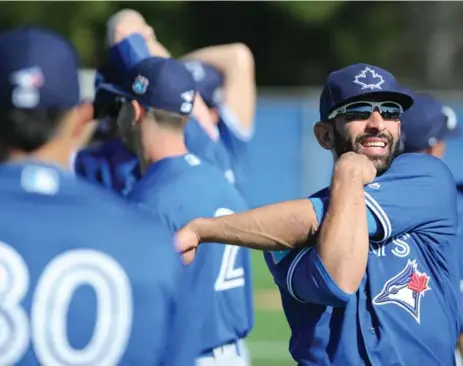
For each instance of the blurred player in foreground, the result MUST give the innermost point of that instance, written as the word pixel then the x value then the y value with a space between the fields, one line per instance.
pixel 425 128
pixel 365 267
pixel 226 82
pixel 179 187
pixel 76 267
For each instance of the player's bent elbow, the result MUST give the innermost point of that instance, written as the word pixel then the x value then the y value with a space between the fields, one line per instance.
pixel 243 55
pixel 348 285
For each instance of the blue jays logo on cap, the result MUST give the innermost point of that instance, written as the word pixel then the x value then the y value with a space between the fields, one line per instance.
pixel 406 289
pixel 140 85
pixel 369 79
pixel 27 82
pixel 188 98
pixel 157 82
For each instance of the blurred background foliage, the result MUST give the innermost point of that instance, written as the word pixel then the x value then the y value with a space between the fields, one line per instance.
pixel 294 43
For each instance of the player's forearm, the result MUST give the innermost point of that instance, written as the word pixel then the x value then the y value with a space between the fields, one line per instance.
pixel 343 242
pixel 284 225
pixel 222 57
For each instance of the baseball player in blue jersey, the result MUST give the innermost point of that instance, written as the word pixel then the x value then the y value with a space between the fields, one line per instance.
pixel 226 82
pixel 179 187
pixel 365 267
pixel 109 163
pixel 426 127
pixel 76 263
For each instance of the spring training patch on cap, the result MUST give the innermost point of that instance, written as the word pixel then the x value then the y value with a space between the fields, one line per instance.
pixel 140 85
pixel 369 79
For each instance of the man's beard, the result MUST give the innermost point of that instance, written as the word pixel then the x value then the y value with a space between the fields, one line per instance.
pixel 381 163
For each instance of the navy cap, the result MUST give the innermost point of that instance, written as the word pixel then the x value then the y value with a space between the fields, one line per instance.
pixel 209 81
pixel 360 80
pixel 426 123
pixel 157 82
pixel 38 68
pixel 121 57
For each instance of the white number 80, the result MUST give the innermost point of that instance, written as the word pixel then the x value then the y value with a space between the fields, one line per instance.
pixel 50 304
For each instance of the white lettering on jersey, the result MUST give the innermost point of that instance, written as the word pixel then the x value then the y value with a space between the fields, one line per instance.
pixel 398 246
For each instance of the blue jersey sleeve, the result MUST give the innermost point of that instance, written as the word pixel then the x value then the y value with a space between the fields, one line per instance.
pixel 93 169
pixel 304 276
pixel 417 193
pixel 236 141
pixel 302 273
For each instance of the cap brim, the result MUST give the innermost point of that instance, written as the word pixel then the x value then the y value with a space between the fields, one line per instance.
pixel 401 97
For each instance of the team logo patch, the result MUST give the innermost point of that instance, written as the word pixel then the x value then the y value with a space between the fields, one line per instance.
pixel 406 289
pixel 369 79
pixel 140 85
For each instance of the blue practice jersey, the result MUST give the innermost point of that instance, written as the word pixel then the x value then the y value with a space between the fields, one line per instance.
pixel 86 279
pixel 236 142
pixel 109 164
pixel 113 166
pixel 201 144
pixel 180 189
pixel 406 309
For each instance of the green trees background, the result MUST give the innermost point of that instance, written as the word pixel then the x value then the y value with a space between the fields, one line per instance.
pixel 294 43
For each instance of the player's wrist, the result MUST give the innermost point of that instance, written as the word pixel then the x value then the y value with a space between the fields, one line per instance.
pixel 348 175
pixel 199 227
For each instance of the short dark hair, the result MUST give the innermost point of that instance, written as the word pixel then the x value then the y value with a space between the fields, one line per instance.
pixel 168 119
pixel 28 129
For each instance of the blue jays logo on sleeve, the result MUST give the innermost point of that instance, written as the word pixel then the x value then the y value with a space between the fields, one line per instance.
pixel 369 79
pixel 406 289
pixel 140 84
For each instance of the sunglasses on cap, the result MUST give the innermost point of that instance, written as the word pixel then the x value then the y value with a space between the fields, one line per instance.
pixel 362 110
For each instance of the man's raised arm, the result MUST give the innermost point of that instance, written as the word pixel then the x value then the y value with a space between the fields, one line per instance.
pixel 284 225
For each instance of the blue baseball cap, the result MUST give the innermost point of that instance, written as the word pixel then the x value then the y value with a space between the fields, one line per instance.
pixel 209 81
pixel 426 123
pixel 160 83
pixel 38 69
pixel 359 81
pixel 121 57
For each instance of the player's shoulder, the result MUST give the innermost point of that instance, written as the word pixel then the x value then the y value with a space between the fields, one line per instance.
pixel 105 202
pixel 126 225
pixel 415 165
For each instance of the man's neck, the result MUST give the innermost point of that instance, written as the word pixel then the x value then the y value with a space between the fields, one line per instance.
pixel 167 145
pixel 55 154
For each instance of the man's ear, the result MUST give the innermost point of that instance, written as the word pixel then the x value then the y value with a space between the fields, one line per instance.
pixel 324 133
pixel 138 112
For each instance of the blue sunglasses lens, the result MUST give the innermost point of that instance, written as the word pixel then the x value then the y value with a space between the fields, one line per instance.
pixel 362 111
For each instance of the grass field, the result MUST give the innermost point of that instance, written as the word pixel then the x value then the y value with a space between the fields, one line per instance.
pixel 269 339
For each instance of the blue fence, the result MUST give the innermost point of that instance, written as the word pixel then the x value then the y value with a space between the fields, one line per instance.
pixel 286 160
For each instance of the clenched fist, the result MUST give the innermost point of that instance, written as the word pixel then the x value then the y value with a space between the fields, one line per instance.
pixel 350 164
